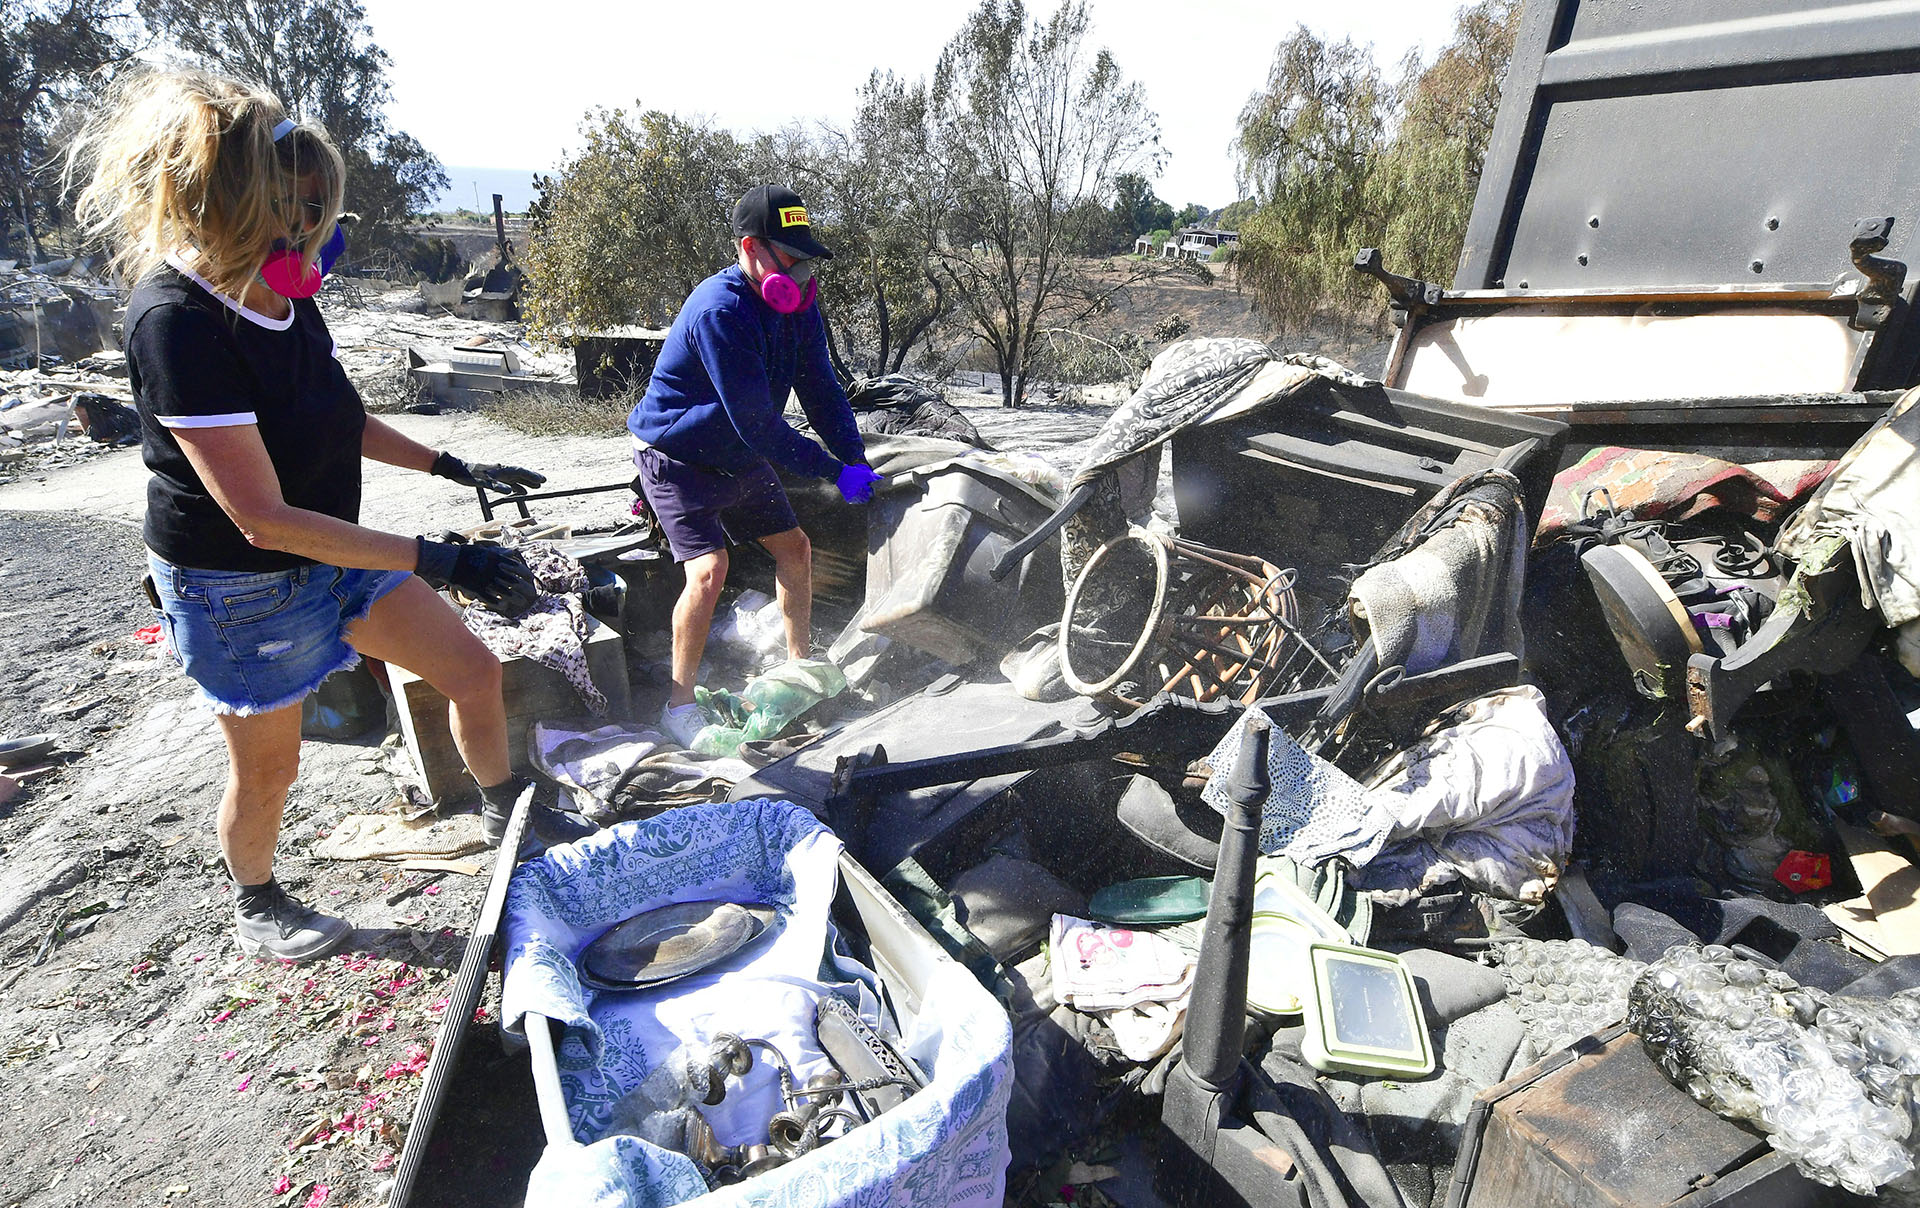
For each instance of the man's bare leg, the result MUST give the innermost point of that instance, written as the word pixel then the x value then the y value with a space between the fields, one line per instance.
pixel 692 617
pixel 793 576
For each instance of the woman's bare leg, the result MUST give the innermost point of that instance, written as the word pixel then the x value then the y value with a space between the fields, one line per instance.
pixel 263 757
pixel 412 627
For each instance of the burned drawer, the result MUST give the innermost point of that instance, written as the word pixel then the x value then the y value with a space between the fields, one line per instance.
pixel 1599 1126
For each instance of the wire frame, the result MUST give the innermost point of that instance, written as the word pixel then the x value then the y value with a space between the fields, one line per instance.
pixel 1153 613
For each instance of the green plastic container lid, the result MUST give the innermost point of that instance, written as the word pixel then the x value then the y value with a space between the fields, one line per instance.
pixel 1150 900
pixel 1364 1015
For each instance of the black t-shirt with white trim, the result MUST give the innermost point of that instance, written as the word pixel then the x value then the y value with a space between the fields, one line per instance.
pixel 197 359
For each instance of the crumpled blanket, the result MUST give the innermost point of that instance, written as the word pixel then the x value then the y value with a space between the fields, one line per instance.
pixel 1185 383
pixel 1458 585
pixel 619 771
pixel 554 631
pixel 1872 500
pixel 1653 484
pixel 1485 797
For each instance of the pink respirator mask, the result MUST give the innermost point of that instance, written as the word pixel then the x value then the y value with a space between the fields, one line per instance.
pixel 285 272
pixel 289 276
pixel 785 294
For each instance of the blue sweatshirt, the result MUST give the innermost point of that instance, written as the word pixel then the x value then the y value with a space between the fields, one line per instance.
pixel 722 379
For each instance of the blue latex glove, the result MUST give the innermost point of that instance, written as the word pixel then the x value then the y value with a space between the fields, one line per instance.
pixel 856 483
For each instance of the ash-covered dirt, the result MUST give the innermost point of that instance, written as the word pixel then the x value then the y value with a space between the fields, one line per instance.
pixel 143 1060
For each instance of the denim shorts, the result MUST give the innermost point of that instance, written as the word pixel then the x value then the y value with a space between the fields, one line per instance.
pixel 256 642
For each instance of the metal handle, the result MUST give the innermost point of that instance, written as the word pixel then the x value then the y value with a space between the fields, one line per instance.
pixel 546 1081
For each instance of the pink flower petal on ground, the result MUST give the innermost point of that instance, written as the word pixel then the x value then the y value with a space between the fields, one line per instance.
pixel 244 1084
pixel 223 1016
pixel 414 1061
pixel 281 1185
pixel 320 1193
pixel 230 1054
pixel 432 891
pixel 383 1162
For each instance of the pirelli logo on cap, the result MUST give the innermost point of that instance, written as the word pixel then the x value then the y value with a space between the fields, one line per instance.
pixel 793 216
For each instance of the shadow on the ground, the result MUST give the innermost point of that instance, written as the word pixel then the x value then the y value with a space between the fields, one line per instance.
pixel 487 1138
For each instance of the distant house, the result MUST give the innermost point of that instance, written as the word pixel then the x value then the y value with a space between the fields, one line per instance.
pixel 1143 246
pixel 1198 243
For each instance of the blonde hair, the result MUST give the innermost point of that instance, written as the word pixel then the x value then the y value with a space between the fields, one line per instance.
pixel 187 159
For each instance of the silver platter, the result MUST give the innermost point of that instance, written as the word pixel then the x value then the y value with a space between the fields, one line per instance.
pixel 671 942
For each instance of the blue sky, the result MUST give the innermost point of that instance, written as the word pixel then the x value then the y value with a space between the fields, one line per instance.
pixel 505 85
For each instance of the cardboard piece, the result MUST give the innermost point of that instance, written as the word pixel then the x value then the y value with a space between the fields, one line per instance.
pixel 1892 885
pixel 390 837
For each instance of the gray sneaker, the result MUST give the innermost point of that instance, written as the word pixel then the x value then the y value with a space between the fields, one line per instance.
pixel 279 927
pixel 683 723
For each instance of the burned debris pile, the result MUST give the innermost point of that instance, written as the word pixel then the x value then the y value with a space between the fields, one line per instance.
pixel 61 396
pixel 1510 778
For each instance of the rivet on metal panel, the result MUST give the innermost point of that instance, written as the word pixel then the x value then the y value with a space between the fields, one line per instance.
pixel 1582 258
pixel 1757 265
pixel 1773 224
pixel 1594 222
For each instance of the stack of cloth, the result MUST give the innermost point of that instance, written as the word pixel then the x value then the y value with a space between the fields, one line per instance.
pixel 1135 981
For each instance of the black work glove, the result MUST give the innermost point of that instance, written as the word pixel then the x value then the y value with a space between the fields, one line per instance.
pixel 508 480
pixel 495 576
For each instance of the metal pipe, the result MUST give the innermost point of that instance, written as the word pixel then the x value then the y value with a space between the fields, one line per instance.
pixel 546 1081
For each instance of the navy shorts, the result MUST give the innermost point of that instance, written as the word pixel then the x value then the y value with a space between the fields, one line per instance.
pixel 702 511
pixel 256 642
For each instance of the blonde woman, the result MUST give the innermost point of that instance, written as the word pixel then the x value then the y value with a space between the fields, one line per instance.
pixel 223 211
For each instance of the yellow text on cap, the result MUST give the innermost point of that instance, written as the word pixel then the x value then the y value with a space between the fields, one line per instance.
pixel 793 216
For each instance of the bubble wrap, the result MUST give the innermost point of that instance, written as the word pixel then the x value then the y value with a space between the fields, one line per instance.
pixel 1564 989
pixel 1831 1080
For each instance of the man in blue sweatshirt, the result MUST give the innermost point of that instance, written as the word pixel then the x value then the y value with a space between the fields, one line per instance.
pixel 710 429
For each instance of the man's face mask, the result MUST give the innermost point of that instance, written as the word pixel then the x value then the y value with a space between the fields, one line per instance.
pixel 787 290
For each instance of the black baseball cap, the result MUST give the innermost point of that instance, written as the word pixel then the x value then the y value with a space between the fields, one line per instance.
pixel 776 213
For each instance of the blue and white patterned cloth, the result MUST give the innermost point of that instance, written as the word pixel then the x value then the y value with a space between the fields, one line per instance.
pixel 946 1145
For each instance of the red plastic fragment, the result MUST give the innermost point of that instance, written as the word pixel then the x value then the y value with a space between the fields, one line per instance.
pixel 1801 871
